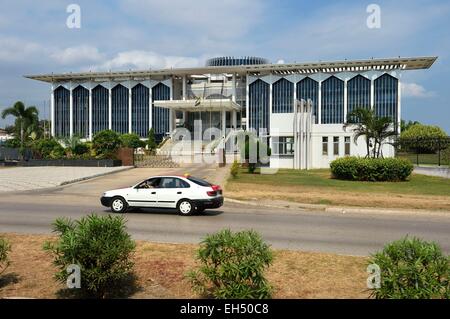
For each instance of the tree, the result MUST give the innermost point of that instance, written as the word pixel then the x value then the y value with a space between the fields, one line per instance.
pixel 424 138
pixel 376 130
pixel 106 143
pixel 131 140
pixel 151 140
pixel 26 117
pixel 406 125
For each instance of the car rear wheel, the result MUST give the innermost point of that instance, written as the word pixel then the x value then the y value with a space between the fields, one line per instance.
pixel 185 207
pixel 118 205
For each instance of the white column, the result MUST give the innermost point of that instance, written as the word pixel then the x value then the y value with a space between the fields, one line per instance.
pixel 224 124
pixel 184 96
pixel 171 112
pixel 129 109
pixel 399 113
pixel 110 107
pixel 90 112
pixel 233 88
pixel 234 119
pixel 150 108
pixel 345 100
pixel 184 87
pixel 270 104
pixel 372 93
pixel 71 111
pixel 52 110
pixel 247 104
pixel 319 104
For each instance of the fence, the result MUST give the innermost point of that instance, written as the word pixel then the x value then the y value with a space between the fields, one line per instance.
pixel 13 154
pixel 425 151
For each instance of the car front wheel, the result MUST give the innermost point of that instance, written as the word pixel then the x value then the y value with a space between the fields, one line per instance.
pixel 118 205
pixel 185 207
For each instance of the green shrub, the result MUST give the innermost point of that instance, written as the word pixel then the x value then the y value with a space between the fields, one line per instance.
pixel 57 152
pixel 262 154
pixel 423 138
pixel 5 248
pixel 232 266
pixel 371 169
pixel 412 269
pixel 12 143
pixel 106 143
pixel 234 169
pixel 151 142
pixel 99 245
pixel 80 149
pixel 131 140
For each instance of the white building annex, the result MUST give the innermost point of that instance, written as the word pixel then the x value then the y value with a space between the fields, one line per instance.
pixel 299 107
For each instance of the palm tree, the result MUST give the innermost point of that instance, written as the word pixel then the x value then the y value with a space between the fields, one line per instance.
pixel 26 117
pixel 376 130
pixel 361 120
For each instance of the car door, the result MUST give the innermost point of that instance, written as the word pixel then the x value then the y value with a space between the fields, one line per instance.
pixel 145 194
pixel 171 190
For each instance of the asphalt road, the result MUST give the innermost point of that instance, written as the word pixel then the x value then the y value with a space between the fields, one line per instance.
pixel 353 234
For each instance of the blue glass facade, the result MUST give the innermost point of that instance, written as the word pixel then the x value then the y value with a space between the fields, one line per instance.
pixel 119 109
pixel 100 109
pixel 140 99
pixel 386 96
pixel 62 112
pixel 309 89
pixel 80 98
pixel 358 93
pixel 332 101
pixel 283 96
pixel 160 115
pixel 259 96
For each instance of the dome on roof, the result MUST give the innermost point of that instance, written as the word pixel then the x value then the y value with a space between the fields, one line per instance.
pixel 230 61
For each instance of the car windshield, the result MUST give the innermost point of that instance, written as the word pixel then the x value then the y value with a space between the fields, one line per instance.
pixel 199 181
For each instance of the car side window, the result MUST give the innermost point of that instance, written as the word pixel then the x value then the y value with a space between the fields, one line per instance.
pixel 172 182
pixel 150 183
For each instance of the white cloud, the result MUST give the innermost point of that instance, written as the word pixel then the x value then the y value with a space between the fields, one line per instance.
pixel 138 59
pixel 17 50
pixel 77 54
pixel 219 19
pixel 415 90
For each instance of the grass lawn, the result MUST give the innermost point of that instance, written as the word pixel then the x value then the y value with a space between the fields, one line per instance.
pixel 317 187
pixel 160 269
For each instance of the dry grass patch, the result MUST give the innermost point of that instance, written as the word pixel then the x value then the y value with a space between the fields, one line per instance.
pixel 160 270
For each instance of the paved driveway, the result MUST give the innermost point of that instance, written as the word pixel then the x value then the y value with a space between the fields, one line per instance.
pixel 16 179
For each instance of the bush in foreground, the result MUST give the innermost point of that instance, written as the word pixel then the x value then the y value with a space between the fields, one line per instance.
pixel 5 248
pixel 371 169
pixel 99 245
pixel 106 143
pixel 234 171
pixel 232 266
pixel 131 140
pixel 412 269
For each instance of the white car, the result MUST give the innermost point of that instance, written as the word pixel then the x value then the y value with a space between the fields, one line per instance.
pixel 185 193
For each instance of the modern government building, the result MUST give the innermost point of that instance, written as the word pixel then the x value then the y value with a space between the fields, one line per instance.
pixel 299 107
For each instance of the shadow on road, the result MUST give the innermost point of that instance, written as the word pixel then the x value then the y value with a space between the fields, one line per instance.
pixel 168 211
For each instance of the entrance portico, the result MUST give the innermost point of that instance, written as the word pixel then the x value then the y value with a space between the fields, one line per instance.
pixel 212 113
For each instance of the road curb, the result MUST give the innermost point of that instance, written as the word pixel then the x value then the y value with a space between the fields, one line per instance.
pixel 125 168
pixel 343 209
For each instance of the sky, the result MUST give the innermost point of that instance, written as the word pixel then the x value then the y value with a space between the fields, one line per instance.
pixel 143 34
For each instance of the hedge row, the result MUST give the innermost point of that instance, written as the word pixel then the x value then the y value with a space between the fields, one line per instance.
pixel 371 169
